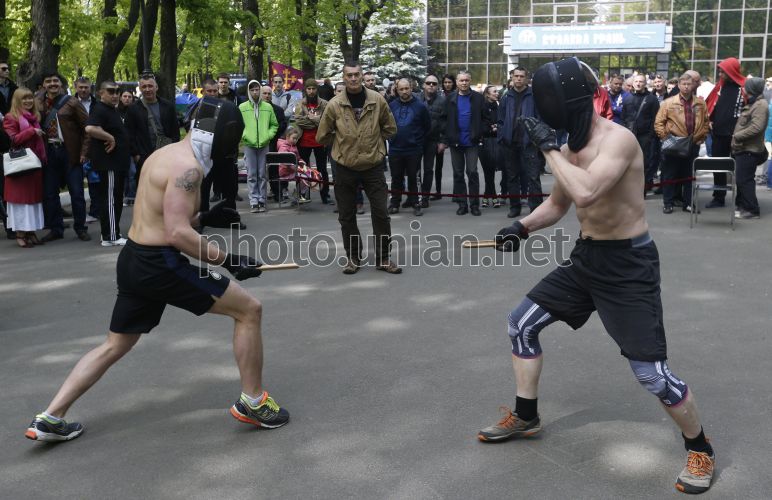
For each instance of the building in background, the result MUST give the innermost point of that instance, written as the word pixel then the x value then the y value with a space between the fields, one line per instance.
pixel 470 34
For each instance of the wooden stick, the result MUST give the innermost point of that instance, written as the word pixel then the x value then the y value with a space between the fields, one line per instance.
pixel 279 267
pixel 479 244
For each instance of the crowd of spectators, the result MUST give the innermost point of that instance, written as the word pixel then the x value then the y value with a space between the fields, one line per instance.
pixel 104 139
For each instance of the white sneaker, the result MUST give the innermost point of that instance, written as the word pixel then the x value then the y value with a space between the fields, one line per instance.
pixel 90 219
pixel 114 243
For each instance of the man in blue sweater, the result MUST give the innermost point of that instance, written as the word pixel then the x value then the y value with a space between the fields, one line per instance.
pixel 463 131
pixel 407 146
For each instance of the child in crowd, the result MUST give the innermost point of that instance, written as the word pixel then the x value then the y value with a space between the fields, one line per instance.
pixel 306 177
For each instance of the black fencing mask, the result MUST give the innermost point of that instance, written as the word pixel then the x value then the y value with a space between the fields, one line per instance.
pixel 215 131
pixel 563 92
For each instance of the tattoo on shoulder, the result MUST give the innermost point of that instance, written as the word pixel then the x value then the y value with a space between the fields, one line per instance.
pixel 189 181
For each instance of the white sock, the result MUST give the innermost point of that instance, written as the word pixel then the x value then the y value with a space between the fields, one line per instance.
pixel 254 402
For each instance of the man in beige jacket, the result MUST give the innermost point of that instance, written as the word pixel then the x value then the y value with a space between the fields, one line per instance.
pixel 356 123
pixel 682 115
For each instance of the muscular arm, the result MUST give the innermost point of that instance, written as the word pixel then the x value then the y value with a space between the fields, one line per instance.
pixel 548 213
pixel 584 187
pixel 180 198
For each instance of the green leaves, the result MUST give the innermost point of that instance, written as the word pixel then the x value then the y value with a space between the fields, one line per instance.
pixel 294 30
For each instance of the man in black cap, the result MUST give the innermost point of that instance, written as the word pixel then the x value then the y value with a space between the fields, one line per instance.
pixel 153 272
pixel 614 268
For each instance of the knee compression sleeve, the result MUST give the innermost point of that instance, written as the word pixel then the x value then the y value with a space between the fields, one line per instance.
pixel 525 323
pixel 658 380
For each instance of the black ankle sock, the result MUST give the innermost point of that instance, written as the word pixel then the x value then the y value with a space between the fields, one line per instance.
pixel 700 443
pixel 525 408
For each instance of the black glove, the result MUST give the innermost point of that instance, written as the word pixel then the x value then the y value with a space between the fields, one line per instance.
pixel 242 266
pixel 541 134
pixel 508 239
pixel 219 216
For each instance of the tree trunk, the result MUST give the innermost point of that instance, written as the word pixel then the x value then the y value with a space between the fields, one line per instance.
pixel 306 11
pixel 5 29
pixel 146 31
pixel 358 23
pixel 113 43
pixel 254 41
pixel 43 54
pixel 167 76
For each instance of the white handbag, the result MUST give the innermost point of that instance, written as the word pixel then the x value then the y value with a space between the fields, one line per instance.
pixel 18 161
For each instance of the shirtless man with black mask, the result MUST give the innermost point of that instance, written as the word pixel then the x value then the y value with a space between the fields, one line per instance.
pixel 614 268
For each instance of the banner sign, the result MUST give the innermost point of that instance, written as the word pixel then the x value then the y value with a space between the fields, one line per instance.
pixel 550 39
pixel 293 78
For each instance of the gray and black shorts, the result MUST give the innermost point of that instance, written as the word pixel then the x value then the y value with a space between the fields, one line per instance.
pixel 619 279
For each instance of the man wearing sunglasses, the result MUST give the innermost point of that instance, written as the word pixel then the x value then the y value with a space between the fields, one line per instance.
pixel 435 136
pixel 7 87
pixel 109 154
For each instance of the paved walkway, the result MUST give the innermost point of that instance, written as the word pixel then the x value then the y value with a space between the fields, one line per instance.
pixel 387 378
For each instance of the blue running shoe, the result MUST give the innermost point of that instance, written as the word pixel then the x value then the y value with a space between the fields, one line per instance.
pixel 268 414
pixel 43 429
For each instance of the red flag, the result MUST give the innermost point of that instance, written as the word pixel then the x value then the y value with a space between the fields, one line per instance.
pixel 293 78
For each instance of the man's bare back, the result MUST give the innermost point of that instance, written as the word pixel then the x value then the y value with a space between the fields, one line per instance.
pixel 176 164
pixel 605 182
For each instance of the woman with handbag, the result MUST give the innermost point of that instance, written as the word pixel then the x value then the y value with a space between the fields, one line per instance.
pixel 24 191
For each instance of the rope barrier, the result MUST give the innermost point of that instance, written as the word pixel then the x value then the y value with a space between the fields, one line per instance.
pixel 312 182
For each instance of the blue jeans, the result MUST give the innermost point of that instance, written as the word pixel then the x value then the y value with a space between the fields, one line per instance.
pixel 56 174
pixel 130 186
pixel 769 174
pixel 257 182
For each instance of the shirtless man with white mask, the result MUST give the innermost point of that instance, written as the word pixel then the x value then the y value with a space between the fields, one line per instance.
pixel 152 271
pixel 614 268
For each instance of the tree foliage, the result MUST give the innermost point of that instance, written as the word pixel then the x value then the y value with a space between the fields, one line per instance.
pixel 242 36
pixel 391 45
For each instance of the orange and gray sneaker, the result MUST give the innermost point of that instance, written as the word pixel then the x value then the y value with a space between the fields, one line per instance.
pixel 267 414
pixel 511 426
pixel 46 428
pixel 696 476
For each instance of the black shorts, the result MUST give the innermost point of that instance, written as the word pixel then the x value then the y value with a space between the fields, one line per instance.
pixel 149 277
pixel 618 278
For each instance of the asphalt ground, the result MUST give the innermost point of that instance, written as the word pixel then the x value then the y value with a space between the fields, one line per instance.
pixel 388 378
